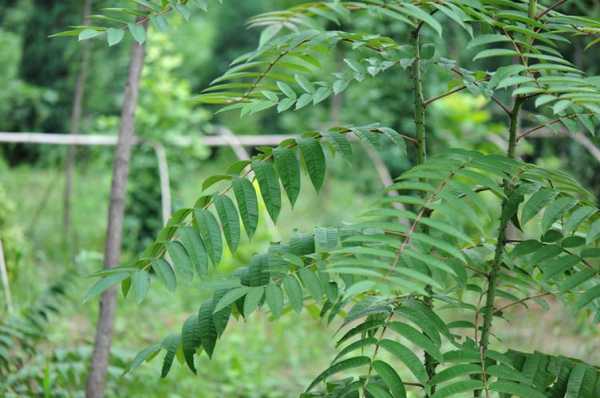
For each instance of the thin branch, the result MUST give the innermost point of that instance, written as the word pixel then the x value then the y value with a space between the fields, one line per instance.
pixel 522 301
pixel 541 126
pixel 494 98
pixel 444 95
pixel 409 138
pixel 551 8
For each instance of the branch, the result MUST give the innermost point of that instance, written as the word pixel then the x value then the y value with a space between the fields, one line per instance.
pixel 541 126
pixel 551 8
pixel 499 310
pixel 444 95
pixel 494 98
pixel 494 273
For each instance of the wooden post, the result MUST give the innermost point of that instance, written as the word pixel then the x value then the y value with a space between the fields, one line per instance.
pixel 165 186
pixel 4 278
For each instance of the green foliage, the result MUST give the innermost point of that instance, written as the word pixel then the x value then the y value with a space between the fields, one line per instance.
pixel 116 21
pixel 415 282
pixel 21 335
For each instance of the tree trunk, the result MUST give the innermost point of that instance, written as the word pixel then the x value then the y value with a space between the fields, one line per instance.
pixel 99 364
pixel 74 129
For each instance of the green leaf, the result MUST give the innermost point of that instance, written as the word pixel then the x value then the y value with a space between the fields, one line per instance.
pixel 160 22
pixel 304 100
pixel 406 355
pixel 341 366
pixel 208 227
pixel 184 11
pixel 311 282
pixel 230 221
pixel 114 36
pixel 294 292
pixel 140 283
pixel 341 144
pixel 287 90
pixel 359 344
pixel 453 372
pixel 245 195
pixel 206 327
pixel 514 81
pixel 535 203
pixel 195 248
pixel 457 388
pixel 558 265
pixel 269 186
pixel 138 32
pixel 495 52
pixel 257 272
pixel 487 39
pixel 144 355
pixel 253 299
pixel 88 34
pixel 165 273
pixel 417 338
pixel 180 259
pixel 377 391
pixel 421 15
pixel 587 297
pixel 314 158
pixel 267 34
pixel 575 280
pixel 390 378
pixel 103 284
pixel 289 172
pixel 221 318
pixel 421 320
pixel 503 72
pixel 579 216
pixel 304 83
pixel 506 373
pixel 339 86
pixel 230 297
pixel 190 340
pixel 578 384
pixel 170 344
pixel 285 104
pixel 519 390
pixel 326 239
pixel 274 298
pixel 212 180
pixel 556 210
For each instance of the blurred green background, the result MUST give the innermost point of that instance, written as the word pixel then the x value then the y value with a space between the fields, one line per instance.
pixel 256 358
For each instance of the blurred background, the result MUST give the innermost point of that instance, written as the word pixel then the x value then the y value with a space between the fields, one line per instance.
pixel 47 261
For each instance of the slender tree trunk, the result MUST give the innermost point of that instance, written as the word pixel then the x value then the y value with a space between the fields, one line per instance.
pixel 97 376
pixel 74 129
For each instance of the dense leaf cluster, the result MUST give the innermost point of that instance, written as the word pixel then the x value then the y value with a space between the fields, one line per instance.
pixel 417 281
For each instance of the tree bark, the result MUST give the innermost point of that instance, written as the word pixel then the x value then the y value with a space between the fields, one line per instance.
pixel 76 111
pixel 104 328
